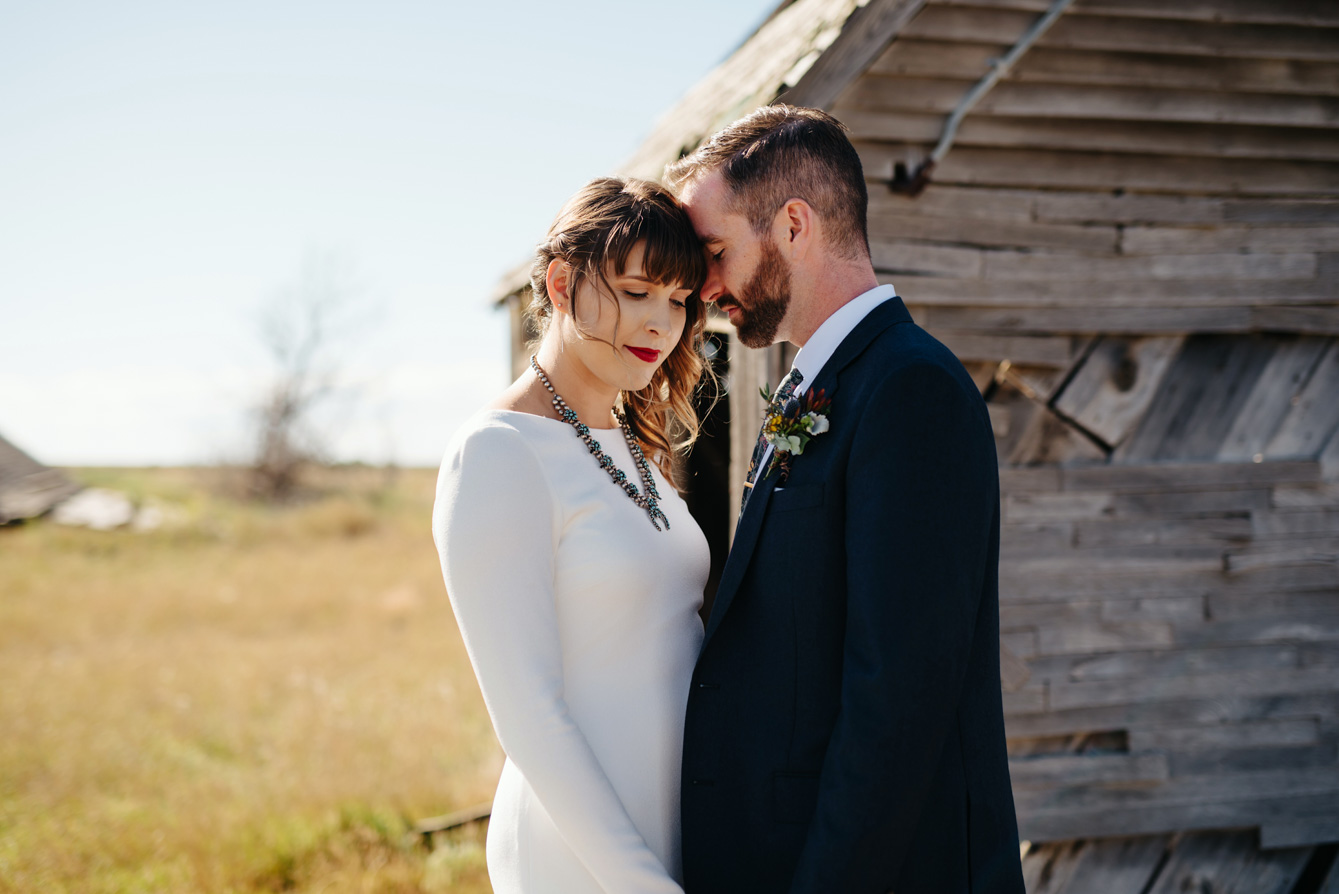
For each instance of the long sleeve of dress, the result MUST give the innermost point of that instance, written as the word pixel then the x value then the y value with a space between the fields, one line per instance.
pixel 497 528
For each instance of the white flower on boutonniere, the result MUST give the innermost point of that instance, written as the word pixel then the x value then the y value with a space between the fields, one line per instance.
pixel 790 428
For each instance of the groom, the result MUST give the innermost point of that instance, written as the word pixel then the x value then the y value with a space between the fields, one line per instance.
pixel 844 730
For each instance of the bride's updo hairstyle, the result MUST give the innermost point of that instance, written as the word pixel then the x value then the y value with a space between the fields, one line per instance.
pixel 594 233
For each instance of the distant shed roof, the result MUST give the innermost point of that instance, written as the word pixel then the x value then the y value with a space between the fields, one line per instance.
pixel 28 488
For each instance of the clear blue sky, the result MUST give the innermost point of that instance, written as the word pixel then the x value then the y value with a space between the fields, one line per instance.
pixel 167 169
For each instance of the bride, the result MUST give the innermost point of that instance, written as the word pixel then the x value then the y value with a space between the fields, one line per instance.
pixel 573 567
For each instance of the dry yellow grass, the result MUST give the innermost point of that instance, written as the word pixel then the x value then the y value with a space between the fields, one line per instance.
pixel 249 699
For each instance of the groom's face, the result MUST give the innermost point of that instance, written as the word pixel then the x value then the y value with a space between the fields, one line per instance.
pixel 747 277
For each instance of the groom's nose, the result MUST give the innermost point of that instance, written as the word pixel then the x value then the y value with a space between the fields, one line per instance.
pixel 714 287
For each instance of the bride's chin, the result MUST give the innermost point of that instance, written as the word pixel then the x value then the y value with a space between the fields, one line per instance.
pixel 636 379
pixel 632 386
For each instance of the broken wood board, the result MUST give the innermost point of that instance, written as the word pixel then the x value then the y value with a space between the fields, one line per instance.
pixel 1199 398
pixel 1049 439
pixel 1112 389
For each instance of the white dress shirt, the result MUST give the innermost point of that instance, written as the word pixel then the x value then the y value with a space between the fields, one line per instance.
pixel 819 348
pixel 821 345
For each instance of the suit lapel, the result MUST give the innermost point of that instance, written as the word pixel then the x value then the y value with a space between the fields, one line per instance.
pixel 887 314
pixel 746 537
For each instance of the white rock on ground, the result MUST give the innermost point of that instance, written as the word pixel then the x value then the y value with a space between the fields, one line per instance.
pixel 97 508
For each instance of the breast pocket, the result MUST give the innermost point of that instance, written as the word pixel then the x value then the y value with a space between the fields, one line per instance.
pixel 792 499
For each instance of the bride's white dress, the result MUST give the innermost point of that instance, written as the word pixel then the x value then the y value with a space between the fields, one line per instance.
pixel 581 622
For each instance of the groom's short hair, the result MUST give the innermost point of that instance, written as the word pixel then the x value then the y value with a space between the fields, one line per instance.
pixel 782 152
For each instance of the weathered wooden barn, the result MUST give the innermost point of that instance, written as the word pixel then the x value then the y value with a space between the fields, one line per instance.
pixel 28 488
pixel 1123 216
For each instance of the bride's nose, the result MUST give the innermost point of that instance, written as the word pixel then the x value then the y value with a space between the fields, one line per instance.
pixel 658 319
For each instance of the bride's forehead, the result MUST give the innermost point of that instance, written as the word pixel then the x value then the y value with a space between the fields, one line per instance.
pixel 635 267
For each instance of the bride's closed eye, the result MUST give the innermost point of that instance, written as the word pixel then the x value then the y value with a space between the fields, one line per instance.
pixel 640 296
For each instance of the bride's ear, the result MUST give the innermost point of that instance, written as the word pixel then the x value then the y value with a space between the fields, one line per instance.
pixel 558 281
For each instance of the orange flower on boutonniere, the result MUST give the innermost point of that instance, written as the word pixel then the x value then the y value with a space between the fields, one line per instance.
pixel 790 427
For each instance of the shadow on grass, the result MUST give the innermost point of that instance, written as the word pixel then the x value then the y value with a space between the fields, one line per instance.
pixel 363 849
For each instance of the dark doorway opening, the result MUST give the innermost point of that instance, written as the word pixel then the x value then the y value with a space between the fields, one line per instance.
pixel 707 479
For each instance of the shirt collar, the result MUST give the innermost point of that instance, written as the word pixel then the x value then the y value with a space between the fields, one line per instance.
pixel 821 345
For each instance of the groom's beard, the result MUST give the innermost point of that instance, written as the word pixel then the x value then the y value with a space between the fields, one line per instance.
pixel 764 299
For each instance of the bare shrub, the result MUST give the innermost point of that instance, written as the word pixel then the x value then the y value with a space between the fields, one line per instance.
pixel 305 329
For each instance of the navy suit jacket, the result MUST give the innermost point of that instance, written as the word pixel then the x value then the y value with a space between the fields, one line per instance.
pixel 845 731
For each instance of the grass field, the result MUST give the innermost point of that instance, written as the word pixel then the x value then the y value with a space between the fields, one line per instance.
pixel 247 699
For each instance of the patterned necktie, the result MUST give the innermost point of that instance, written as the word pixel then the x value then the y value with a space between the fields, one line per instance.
pixel 783 394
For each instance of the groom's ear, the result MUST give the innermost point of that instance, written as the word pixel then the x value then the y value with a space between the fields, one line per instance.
pixel 558 281
pixel 794 228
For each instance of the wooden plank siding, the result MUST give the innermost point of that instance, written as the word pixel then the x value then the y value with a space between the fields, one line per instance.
pixel 1130 596
pixel 1128 176
pixel 1229 862
pixel 1081 30
pixel 1132 68
pixel 1129 589
pixel 1279 12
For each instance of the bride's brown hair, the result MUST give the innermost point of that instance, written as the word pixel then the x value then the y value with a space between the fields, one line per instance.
pixel 594 233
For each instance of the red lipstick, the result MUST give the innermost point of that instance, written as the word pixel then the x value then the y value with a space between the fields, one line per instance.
pixel 643 353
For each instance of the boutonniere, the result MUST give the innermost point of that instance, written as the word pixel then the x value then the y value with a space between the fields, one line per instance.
pixel 790 427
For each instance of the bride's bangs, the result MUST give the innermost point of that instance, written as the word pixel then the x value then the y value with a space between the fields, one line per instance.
pixel 672 255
